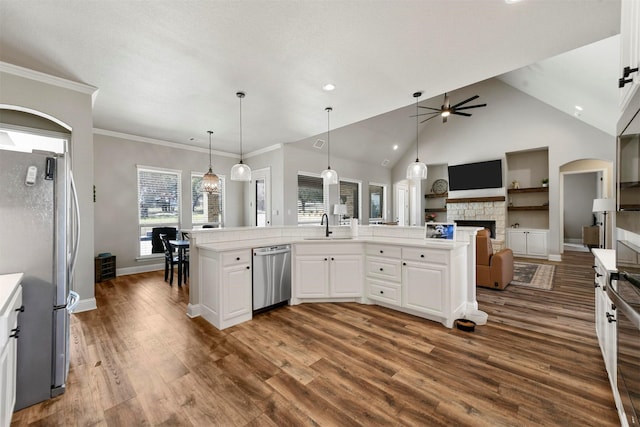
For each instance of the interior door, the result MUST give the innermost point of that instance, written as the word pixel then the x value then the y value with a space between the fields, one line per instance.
pixel 261 195
pixel 402 203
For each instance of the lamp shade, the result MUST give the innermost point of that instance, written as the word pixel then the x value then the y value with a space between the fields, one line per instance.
pixel 240 172
pixel 339 209
pixel 329 176
pixel 604 205
pixel 211 182
pixel 417 171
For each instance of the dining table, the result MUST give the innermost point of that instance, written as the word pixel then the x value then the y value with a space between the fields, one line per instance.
pixel 182 246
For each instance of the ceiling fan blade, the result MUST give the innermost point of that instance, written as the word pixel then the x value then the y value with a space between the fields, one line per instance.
pixel 432 117
pixel 429 108
pixel 471 106
pixel 426 114
pixel 461 114
pixel 465 101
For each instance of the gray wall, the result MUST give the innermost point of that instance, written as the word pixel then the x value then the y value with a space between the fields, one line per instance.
pixel 580 190
pixel 302 160
pixel 71 105
pixel 116 207
pixel 512 121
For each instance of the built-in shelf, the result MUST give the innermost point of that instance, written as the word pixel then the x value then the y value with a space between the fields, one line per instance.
pixel 436 196
pixel 528 190
pixel 477 199
pixel 529 208
pixel 435 210
pixel 629 207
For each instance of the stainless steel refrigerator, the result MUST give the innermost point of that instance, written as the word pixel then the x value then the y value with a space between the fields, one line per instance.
pixel 39 236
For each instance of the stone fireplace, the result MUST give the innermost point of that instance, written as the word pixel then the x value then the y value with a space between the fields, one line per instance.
pixel 481 212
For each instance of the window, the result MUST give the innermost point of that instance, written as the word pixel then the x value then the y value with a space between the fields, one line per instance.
pixel 310 199
pixel 376 202
pixel 158 203
pixel 206 208
pixel 350 196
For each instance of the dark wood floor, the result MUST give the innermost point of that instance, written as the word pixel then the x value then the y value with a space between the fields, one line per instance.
pixel 139 360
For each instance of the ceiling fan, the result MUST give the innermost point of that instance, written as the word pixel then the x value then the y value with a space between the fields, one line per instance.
pixel 446 109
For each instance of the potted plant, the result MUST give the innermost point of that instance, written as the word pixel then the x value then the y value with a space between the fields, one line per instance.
pixel 545 182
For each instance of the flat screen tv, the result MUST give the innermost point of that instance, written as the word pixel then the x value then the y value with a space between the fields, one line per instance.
pixel 475 176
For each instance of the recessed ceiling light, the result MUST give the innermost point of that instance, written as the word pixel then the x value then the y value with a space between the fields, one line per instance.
pixel 329 87
pixel 395 147
pixel 579 108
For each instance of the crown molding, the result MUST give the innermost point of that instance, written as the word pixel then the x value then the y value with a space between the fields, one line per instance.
pixel 49 79
pixel 169 144
pixel 262 151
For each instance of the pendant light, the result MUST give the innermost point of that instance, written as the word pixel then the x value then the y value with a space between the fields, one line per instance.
pixel 329 176
pixel 240 171
pixel 417 170
pixel 210 181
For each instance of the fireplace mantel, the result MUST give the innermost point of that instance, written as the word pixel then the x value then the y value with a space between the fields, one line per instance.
pixel 477 199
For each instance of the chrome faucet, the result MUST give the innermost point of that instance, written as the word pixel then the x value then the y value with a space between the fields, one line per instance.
pixel 327 232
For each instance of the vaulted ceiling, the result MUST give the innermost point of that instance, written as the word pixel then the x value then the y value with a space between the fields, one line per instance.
pixel 169 70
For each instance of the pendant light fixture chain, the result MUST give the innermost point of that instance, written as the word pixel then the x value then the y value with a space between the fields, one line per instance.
pixel 417 95
pixel 240 95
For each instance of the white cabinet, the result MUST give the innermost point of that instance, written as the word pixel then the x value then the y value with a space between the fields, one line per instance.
pixel 325 270
pixel 225 287
pixel 606 326
pixel 629 49
pixel 9 334
pixel 384 274
pixel 418 281
pixel 528 242
pixel 423 287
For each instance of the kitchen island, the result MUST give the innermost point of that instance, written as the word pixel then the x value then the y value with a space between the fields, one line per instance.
pixel 395 267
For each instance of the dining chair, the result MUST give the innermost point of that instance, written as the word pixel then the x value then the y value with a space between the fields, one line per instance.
pixel 170 259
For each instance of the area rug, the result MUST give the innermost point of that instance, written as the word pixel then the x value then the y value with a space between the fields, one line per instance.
pixel 539 276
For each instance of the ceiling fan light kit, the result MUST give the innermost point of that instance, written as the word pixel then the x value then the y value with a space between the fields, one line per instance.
pixel 240 171
pixel 446 109
pixel 417 170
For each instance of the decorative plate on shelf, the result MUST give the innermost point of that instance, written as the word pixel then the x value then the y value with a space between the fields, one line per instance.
pixel 440 186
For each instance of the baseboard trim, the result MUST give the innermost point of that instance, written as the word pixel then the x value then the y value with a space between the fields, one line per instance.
pixel 555 257
pixel 87 304
pixel 139 269
pixel 194 310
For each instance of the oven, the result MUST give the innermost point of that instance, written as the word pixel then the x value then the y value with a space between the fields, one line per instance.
pixel 624 293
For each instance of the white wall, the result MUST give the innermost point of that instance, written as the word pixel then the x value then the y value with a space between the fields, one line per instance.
pixel 71 104
pixel 512 121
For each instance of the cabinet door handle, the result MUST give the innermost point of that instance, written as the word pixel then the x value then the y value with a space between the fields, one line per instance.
pixel 333 259
pixel 596 284
pixel 404 263
pixel 237 258
pixel 382 292
pixel 15 333
pixel 326 259
pixel 421 255
pixel 381 251
pixel 610 318
pixel 381 269
pixel 598 275
pixel 21 309
pixel 248 267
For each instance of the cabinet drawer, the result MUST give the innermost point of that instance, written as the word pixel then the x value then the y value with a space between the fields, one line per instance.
pixel 9 318
pixel 384 268
pixel 236 257
pixel 384 292
pixel 425 255
pixel 383 251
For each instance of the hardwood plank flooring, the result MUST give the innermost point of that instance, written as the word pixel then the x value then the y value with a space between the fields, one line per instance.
pixel 139 360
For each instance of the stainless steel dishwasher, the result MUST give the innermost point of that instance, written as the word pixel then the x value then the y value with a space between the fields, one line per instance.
pixel 271 277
